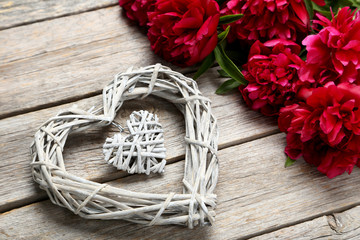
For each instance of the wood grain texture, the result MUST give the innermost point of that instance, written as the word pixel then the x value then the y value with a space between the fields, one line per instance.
pixel 68 58
pixel 255 193
pixel 237 123
pixel 343 225
pixel 15 13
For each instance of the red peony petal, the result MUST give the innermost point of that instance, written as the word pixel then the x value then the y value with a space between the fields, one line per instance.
pixel 336 135
pixel 327 122
pixel 301 12
pixel 209 47
pixel 343 57
pixel 348 106
pixel 336 162
pixel 318 53
pixel 353 44
pixel 294 146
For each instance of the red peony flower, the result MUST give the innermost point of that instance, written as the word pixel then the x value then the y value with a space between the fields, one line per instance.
pixel 336 162
pixel 137 9
pixel 271 72
pixel 325 129
pixel 268 19
pixel 334 53
pixel 184 32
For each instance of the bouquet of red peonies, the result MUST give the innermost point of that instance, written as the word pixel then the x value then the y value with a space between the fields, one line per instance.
pixel 301 64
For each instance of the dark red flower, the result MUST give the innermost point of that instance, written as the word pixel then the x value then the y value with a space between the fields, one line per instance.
pixel 137 9
pixel 184 32
pixel 325 129
pixel 271 72
pixel 268 19
pixel 334 53
pixel 337 162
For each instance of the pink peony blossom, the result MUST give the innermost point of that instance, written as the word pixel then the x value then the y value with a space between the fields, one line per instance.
pixel 334 53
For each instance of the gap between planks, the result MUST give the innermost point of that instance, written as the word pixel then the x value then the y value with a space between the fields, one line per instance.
pixel 49 105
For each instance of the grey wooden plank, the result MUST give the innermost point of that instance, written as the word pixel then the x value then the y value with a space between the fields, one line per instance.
pixel 67 58
pixel 343 225
pixel 237 124
pixel 15 13
pixel 67 33
pixel 255 194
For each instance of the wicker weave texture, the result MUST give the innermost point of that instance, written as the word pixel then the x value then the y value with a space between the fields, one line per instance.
pixel 142 150
pixel 91 200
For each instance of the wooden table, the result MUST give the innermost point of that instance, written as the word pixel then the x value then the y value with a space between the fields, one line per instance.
pixel 54 54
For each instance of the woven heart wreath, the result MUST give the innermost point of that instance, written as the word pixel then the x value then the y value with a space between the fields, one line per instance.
pixel 92 200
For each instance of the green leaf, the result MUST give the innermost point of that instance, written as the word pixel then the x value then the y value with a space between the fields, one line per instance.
pixel 230 18
pixel 309 8
pixel 320 8
pixel 324 10
pixel 355 3
pixel 223 73
pixel 205 65
pixel 335 5
pixel 228 66
pixel 227 86
pixel 222 36
pixel 289 162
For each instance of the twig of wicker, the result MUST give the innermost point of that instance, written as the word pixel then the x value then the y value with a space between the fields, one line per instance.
pixel 91 200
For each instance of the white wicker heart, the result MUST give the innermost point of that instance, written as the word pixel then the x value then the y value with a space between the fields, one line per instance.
pixel 91 200
pixel 142 150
